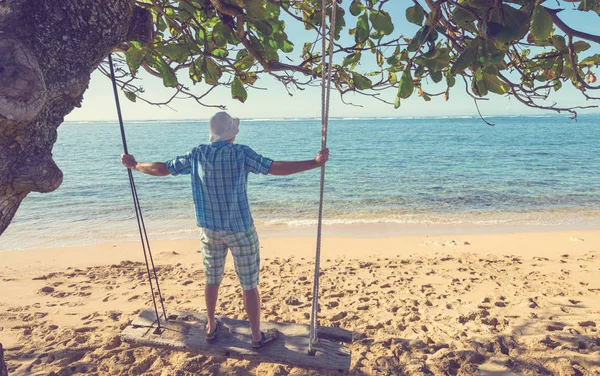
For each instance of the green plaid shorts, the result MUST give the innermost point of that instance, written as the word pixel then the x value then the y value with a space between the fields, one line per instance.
pixel 244 248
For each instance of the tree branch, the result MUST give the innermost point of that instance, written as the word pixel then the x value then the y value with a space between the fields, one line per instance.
pixel 568 30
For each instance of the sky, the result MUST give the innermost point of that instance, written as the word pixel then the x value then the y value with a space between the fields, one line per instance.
pixel 275 102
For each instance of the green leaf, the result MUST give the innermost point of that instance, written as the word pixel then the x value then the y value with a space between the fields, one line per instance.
pixel 248 77
pixel 356 8
pixel 501 33
pixel 464 19
pixel 415 14
pixel 494 84
pixel 130 95
pixel 541 23
pixel 361 82
pixel 271 54
pixel 245 62
pixel 352 59
pixel 287 47
pixel 406 87
pixel 392 77
pixel 220 52
pixel 450 80
pixel 379 58
pixel 480 4
pixel 419 38
pixel 166 72
pixel 169 77
pixel 211 71
pixel 478 87
pixel 382 22
pixel 558 41
pixel 340 21
pixel 255 10
pixel 241 53
pixel 397 102
pixel 362 28
pixel 420 71
pixel 273 43
pixel 161 24
pixel 238 91
pixel 134 58
pixel 466 58
pixel 272 9
pixel 196 70
pixel 186 11
pixel 581 46
pixel 557 85
pixel 264 27
pixel 175 52
pixel 436 76
pixel 219 34
pixel 435 60
pixel 591 60
pixel 515 19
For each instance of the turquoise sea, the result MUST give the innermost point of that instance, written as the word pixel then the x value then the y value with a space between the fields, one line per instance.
pixel 526 170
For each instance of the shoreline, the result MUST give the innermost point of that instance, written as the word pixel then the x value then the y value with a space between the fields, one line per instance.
pixel 373 230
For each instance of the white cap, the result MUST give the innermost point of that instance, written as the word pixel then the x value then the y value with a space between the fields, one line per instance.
pixel 223 127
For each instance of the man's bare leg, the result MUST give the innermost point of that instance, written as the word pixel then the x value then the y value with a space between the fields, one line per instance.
pixel 211 295
pixel 252 305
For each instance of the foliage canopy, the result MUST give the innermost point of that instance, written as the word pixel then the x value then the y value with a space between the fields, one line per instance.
pixel 520 48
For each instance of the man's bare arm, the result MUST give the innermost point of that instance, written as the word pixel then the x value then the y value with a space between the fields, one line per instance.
pixel 148 168
pixel 288 168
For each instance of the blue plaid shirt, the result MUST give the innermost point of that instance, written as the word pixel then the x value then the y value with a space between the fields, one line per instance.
pixel 219 180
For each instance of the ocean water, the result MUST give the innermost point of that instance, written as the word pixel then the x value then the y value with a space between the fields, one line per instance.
pixel 537 170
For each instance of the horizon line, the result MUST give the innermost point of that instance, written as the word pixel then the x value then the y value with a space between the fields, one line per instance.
pixel 351 117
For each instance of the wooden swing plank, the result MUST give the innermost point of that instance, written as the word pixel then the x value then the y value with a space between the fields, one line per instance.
pixel 184 332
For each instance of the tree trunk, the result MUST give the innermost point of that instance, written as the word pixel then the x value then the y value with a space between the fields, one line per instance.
pixel 3 369
pixel 48 50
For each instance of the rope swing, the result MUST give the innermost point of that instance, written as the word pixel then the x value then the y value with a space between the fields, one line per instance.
pixel 326 70
pixel 327 39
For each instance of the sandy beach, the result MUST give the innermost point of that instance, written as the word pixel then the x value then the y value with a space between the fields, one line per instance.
pixel 523 303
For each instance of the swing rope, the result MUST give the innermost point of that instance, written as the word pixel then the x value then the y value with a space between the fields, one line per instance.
pixel 326 71
pixel 138 212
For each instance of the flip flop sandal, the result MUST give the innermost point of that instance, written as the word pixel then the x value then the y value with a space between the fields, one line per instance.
pixel 267 337
pixel 209 337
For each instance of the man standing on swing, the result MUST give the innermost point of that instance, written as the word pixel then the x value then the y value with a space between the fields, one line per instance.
pixel 219 173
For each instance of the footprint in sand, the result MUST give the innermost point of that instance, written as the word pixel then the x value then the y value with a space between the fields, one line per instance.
pixel 46 290
pixel 575 239
pixel 553 328
pixel 86 329
pixel 338 316
pixel 135 297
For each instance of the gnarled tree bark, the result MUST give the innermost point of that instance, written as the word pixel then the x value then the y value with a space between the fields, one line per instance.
pixel 48 50
pixel 3 368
